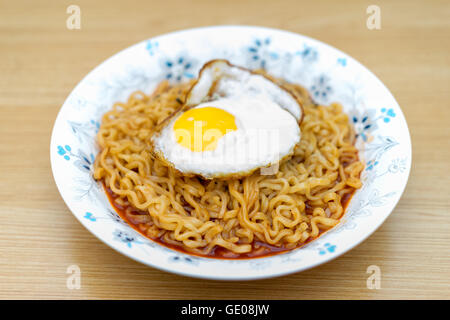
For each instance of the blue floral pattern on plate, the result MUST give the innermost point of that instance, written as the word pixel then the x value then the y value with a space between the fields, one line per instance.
pixel 178 69
pixel 260 53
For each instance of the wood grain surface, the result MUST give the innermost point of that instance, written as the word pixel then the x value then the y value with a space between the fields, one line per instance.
pixel 41 61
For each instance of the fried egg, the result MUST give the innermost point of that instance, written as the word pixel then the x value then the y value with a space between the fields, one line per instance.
pixel 232 123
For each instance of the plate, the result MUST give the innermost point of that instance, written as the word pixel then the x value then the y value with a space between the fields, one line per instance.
pixel 329 74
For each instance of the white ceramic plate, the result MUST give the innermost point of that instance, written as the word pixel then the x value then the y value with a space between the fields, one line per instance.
pixel 329 74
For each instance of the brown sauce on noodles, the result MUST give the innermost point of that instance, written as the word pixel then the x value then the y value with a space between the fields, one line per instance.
pixel 259 248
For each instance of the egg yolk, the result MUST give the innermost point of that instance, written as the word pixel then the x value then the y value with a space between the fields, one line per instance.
pixel 200 129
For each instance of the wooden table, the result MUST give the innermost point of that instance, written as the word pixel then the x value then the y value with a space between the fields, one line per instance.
pixel 41 61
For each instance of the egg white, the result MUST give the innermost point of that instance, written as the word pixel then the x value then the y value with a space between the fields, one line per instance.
pixel 265 134
pixel 226 80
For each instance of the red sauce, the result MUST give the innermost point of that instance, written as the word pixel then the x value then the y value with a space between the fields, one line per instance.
pixel 260 249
